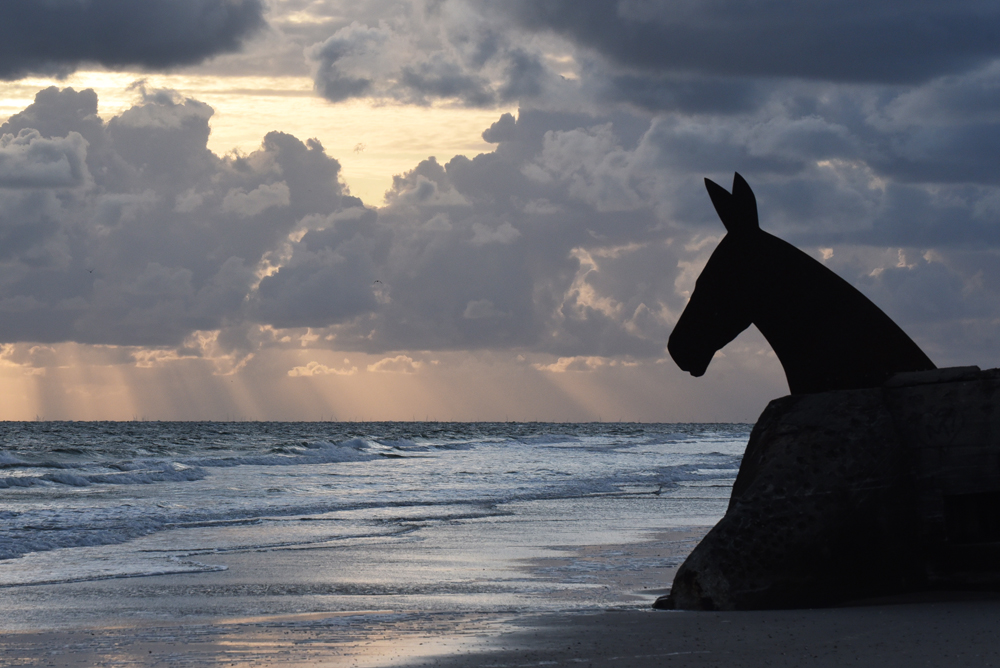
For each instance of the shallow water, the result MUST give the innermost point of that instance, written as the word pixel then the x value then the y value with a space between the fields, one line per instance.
pixel 145 520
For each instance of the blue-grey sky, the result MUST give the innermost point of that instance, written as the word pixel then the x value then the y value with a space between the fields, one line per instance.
pixel 535 274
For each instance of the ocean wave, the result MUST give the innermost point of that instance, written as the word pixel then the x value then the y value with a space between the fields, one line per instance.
pixel 148 471
pixel 404 444
pixel 24 534
pixel 663 439
pixel 407 445
pixel 165 472
pixel 66 479
pixel 690 473
pixel 11 462
pixel 175 567
pixel 7 460
pixel 187 474
pixel 321 452
pixel 548 439
pixel 38 532
pixel 445 476
pixel 6 482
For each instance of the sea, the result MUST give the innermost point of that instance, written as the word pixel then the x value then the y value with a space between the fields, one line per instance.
pixel 124 522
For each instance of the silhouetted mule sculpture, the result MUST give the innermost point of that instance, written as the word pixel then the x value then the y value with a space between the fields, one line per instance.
pixel 827 335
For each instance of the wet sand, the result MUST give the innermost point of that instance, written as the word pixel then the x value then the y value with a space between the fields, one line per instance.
pixel 944 633
pixel 437 601
pixel 941 633
pixel 591 609
pixel 364 639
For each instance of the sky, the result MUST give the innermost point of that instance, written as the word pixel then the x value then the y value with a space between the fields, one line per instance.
pixel 469 210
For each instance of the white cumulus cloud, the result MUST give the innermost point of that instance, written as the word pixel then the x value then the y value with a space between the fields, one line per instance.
pixel 317 369
pixel 397 364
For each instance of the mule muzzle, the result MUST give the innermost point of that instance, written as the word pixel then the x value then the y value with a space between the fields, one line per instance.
pixel 688 358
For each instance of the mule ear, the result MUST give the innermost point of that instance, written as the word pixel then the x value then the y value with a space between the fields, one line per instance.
pixel 723 203
pixel 745 203
pixel 738 211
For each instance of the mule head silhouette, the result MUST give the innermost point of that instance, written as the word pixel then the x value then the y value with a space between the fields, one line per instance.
pixel 826 334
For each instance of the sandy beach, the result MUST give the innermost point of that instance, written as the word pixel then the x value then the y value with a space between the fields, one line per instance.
pixel 593 611
pixel 923 633
pixel 943 633
pixel 175 619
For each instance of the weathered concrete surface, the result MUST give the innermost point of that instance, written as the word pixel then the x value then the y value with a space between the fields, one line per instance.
pixel 859 493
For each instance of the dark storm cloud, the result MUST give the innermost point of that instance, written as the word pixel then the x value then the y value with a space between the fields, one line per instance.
pixel 417 53
pixel 707 56
pixel 502 130
pixel 580 235
pixel 509 250
pixel 54 36
pixel 683 93
pixel 898 41
pixel 32 161
pixel 439 78
pixel 329 278
pixel 868 131
pixel 152 236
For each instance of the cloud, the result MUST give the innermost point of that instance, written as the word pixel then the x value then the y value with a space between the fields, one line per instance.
pixel 468 257
pixel 481 308
pixel 341 53
pixel 163 239
pixel 54 37
pixel 564 364
pixel 613 226
pixel 319 288
pixel 893 42
pixel 397 364
pixel 502 130
pixel 317 369
pixel 258 200
pixel 592 164
pixel 578 238
pixel 504 233
pixel 426 53
pixel 30 161
pixel 695 57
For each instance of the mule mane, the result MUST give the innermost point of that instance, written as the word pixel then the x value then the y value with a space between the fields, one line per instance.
pixel 827 335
